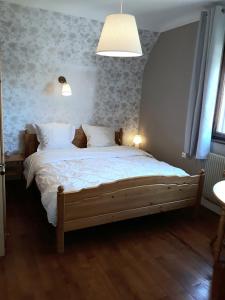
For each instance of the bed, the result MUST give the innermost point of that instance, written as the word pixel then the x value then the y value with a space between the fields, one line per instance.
pixel 114 192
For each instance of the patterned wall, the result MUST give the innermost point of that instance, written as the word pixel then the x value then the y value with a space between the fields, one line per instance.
pixel 37 46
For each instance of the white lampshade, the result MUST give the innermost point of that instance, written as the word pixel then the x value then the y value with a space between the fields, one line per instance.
pixel 66 89
pixel 119 37
pixel 137 140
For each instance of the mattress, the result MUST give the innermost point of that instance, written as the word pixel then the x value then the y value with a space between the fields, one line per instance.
pixel 78 169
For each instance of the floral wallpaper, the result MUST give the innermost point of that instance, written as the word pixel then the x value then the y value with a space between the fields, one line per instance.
pixel 37 46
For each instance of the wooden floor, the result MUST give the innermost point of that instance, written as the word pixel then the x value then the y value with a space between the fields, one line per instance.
pixel 164 257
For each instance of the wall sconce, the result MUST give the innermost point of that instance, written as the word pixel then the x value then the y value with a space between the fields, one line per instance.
pixel 137 140
pixel 66 89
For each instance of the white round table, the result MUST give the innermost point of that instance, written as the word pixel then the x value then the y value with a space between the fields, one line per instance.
pixel 219 192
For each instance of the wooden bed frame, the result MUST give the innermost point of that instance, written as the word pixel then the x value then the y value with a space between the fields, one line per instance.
pixel 120 200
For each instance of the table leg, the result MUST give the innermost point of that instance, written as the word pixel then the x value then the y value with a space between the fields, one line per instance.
pixel 212 243
pixel 220 237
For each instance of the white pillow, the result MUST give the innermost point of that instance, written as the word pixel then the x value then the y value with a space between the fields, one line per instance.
pixel 99 136
pixel 55 136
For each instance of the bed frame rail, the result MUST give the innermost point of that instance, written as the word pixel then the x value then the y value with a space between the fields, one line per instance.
pixel 123 200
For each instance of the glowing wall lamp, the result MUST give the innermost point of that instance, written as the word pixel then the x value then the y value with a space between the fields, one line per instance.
pixel 66 89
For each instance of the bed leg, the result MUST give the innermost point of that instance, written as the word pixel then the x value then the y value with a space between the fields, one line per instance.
pixel 199 193
pixel 60 242
pixel 60 220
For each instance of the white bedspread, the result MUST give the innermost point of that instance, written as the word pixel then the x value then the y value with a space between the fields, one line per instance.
pixel 77 169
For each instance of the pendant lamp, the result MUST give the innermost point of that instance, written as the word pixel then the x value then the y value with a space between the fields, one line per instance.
pixel 119 36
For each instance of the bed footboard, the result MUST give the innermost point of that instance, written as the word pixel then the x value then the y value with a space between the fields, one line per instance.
pixel 125 199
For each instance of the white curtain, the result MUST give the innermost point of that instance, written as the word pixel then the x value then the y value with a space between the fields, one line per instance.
pixel 204 83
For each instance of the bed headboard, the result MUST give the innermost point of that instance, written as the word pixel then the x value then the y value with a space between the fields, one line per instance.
pixel 31 143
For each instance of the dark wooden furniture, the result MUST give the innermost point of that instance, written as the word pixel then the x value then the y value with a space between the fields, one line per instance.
pixel 14 166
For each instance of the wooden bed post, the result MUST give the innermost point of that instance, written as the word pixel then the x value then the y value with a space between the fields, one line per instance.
pixel 199 192
pixel 121 136
pixel 60 219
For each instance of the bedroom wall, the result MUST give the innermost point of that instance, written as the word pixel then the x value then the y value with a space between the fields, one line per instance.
pixel 37 46
pixel 165 96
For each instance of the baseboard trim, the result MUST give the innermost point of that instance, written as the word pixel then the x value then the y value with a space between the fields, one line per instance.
pixel 211 206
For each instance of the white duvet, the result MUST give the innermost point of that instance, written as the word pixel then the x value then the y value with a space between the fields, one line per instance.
pixel 78 169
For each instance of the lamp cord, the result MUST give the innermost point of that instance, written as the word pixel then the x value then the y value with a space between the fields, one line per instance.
pixel 121 6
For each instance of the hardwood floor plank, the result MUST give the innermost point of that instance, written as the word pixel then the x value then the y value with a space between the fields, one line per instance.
pixel 161 257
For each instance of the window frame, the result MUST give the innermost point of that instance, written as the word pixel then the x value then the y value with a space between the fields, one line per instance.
pixel 217 136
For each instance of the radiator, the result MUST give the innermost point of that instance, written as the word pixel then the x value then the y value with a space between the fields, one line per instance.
pixel 214 169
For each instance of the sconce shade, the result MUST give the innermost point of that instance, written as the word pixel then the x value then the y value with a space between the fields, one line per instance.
pixel 66 89
pixel 137 139
pixel 119 37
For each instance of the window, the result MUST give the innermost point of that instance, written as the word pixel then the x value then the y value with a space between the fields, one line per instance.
pixel 219 120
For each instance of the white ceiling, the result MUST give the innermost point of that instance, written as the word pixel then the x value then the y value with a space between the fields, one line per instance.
pixel 156 15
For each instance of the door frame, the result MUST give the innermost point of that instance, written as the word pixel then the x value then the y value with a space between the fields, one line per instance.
pixel 2 218
pixel 2 179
